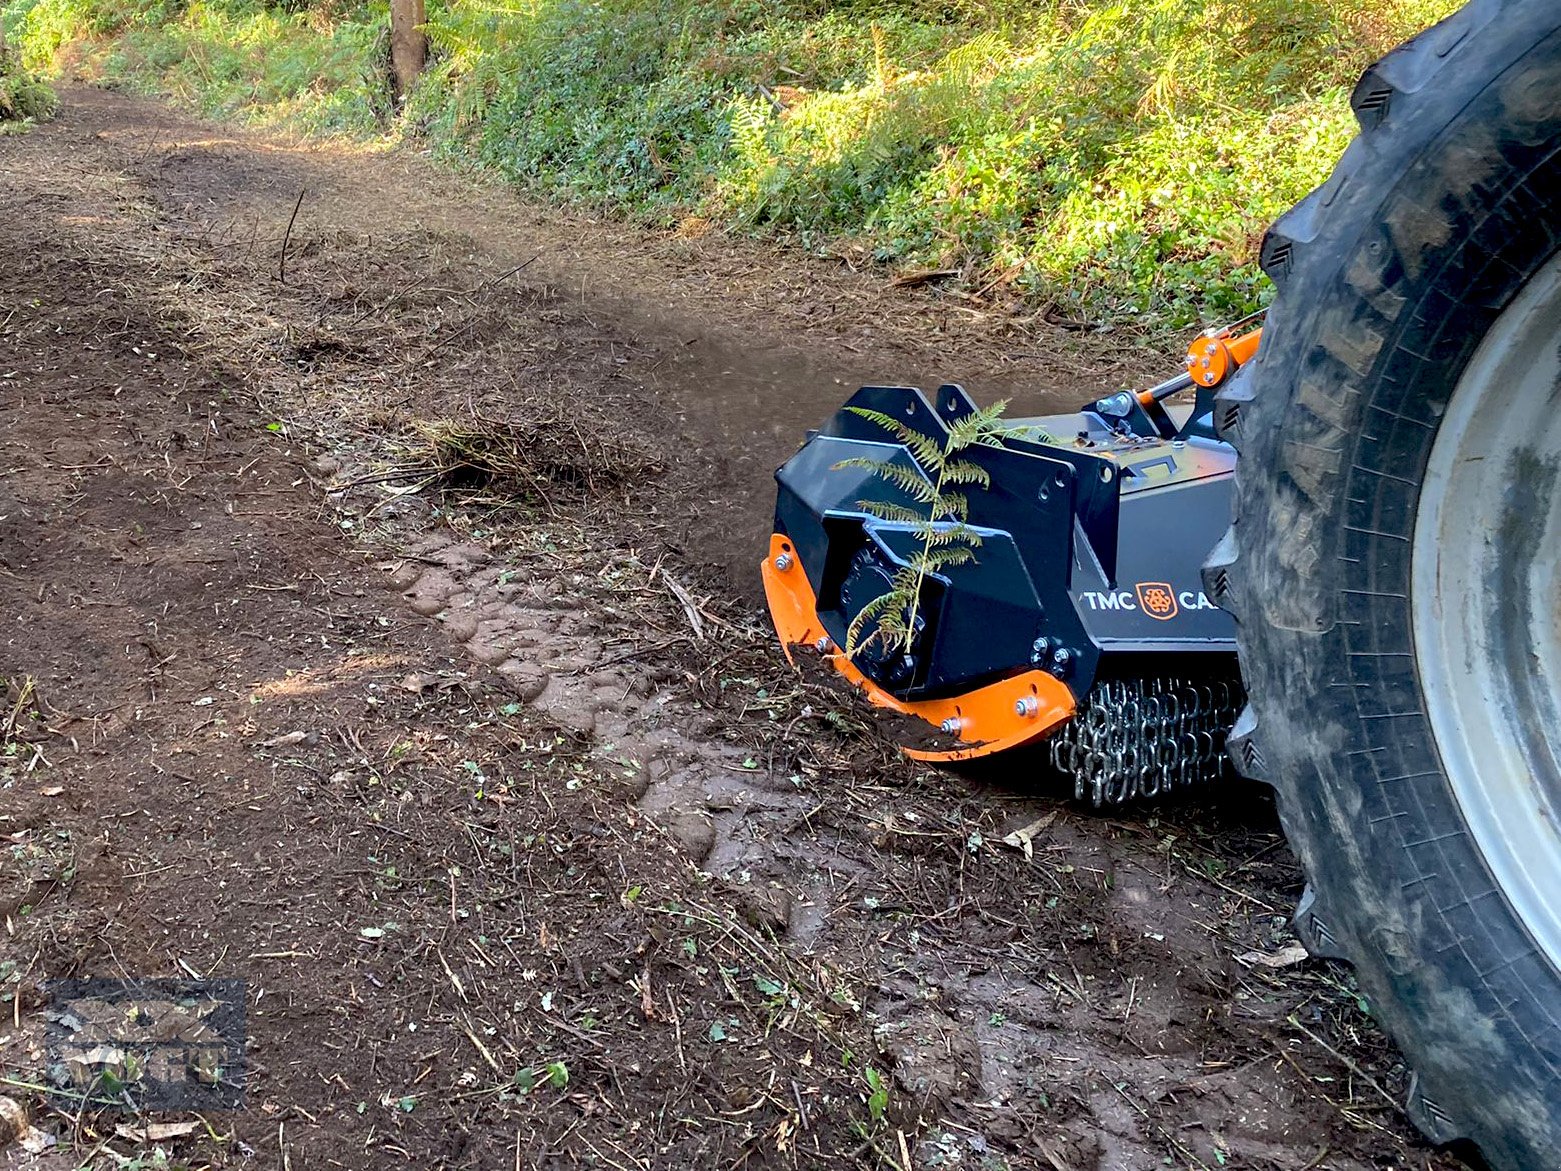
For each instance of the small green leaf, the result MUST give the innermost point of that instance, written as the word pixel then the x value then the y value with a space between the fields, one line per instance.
pixel 408 1104
pixel 717 1032
pixel 557 1074
pixel 878 1098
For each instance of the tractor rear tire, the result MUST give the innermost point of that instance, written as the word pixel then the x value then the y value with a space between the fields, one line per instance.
pixel 1395 567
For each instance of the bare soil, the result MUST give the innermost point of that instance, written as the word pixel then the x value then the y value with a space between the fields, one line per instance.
pixel 382 636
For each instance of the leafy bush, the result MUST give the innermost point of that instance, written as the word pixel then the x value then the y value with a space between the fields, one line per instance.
pixel 24 96
pixel 1119 158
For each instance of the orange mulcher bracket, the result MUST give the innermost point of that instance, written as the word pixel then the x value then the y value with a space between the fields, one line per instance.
pixel 994 718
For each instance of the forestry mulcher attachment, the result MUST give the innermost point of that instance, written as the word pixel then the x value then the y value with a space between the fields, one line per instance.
pixel 1389 579
pixel 1077 616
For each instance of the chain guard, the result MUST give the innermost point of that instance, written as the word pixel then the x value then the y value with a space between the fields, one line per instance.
pixel 1143 738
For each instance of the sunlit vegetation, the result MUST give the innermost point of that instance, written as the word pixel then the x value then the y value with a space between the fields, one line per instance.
pixel 25 97
pixel 1118 161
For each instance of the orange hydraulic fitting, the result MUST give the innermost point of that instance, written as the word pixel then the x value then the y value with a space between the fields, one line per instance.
pixel 1218 353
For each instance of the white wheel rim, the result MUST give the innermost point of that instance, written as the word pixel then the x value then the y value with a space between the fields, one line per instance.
pixel 1485 598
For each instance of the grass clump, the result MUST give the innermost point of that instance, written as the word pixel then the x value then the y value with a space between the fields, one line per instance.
pixel 1117 159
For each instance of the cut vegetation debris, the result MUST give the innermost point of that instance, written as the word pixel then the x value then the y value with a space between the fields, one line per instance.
pixel 572 454
pixel 1116 160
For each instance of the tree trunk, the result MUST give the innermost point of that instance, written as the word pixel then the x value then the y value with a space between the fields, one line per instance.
pixel 408 45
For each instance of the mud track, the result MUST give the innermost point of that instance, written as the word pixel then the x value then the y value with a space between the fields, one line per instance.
pixel 381 636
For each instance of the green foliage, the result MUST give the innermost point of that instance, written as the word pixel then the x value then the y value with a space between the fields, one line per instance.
pixel 936 516
pixel 315 69
pixel 877 1095
pixel 621 102
pixel 1121 159
pixel 1118 158
pixel 25 97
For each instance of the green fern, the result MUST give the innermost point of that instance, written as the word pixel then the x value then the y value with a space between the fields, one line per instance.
pixel 939 524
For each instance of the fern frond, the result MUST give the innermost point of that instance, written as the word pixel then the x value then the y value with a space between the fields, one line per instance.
pixel 865 615
pixel 911 483
pixel 905 580
pixel 924 449
pixel 884 469
pixel 962 471
pixel 898 513
pixel 887 421
pixel 942 537
pixel 937 559
pixel 751 120
pixel 951 506
pixel 977 427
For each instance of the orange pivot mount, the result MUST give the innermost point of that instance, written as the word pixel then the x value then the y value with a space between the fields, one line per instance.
pixel 1217 354
pixel 1002 715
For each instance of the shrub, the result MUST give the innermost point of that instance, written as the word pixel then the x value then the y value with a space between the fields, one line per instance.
pixel 24 96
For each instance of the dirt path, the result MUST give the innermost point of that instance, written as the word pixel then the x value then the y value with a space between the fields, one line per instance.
pixel 371 648
pixel 745 346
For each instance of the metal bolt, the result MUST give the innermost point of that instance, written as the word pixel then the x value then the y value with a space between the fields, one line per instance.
pixel 1028 707
pixel 783 562
pixel 1062 656
pixel 822 646
pixel 951 725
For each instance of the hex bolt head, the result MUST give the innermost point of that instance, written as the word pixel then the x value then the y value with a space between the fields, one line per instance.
pixel 1028 707
pixel 950 726
pixel 783 562
pixel 822 646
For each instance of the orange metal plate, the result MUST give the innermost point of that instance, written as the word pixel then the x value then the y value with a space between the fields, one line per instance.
pixel 989 718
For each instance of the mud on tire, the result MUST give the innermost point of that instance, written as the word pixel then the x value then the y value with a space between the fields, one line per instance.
pixel 1397 280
